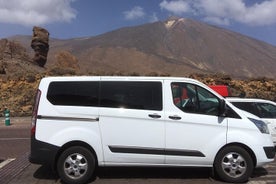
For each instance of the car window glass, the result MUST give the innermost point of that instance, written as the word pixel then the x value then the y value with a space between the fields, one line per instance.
pixel 247 106
pixel 266 110
pixel 131 95
pixel 194 99
pixel 79 93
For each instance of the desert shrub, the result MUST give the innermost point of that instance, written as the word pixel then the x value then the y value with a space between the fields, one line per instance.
pixel 61 71
pixel 30 78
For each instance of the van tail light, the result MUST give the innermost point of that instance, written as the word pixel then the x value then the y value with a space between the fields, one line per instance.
pixel 35 111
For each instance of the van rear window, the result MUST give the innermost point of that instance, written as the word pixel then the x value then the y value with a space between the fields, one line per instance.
pixel 84 93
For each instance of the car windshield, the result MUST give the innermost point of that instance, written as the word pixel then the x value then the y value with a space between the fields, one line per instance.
pixel 266 110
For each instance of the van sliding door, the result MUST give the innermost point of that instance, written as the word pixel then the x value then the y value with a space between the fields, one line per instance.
pixel 132 122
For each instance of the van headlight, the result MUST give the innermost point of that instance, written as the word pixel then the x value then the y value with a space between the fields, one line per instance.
pixel 262 126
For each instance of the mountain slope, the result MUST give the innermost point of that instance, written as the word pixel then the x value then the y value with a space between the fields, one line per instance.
pixel 176 47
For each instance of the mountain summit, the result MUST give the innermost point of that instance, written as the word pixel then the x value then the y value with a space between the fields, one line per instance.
pixel 176 46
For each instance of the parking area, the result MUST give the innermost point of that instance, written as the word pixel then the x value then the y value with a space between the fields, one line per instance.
pixel 15 168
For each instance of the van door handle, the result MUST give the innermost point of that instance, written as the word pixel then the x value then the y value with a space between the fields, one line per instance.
pixel 154 116
pixel 175 117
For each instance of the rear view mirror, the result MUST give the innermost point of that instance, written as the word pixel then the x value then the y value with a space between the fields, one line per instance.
pixel 222 108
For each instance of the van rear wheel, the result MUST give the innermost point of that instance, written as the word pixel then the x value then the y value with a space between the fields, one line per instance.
pixel 234 164
pixel 76 165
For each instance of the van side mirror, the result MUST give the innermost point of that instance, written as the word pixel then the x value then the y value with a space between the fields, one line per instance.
pixel 222 108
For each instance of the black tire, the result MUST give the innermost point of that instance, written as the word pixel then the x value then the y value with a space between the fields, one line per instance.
pixel 233 164
pixel 76 165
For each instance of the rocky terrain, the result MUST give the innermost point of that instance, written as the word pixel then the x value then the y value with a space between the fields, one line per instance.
pixel 18 92
pixel 175 47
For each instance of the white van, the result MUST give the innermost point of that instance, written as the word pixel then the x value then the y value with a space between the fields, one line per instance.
pixel 81 123
pixel 264 109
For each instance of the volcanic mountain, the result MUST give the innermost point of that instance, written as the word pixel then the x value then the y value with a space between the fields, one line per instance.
pixel 176 47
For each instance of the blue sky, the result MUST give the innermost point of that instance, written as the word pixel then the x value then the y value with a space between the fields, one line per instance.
pixel 80 18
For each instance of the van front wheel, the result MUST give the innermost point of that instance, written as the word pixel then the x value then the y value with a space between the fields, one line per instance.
pixel 233 164
pixel 76 165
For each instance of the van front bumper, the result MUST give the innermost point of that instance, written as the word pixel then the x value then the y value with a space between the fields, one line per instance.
pixel 42 153
pixel 270 152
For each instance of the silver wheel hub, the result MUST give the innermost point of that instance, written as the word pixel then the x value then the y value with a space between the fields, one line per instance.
pixel 234 165
pixel 75 166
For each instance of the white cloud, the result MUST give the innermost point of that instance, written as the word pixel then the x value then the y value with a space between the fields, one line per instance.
pixel 134 13
pixel 153 18
pixel 261 14
pixel 217 20
pixel 225 11
pixel 36 12
pixel 177 7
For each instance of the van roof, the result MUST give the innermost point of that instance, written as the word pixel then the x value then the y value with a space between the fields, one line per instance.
pixel 125 78
pixel 237 99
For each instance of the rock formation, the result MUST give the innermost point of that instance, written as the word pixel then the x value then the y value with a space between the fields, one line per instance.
pixel 40 45
pixel 65 59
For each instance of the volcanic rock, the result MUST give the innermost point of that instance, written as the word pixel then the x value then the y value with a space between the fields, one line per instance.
pixel 40 45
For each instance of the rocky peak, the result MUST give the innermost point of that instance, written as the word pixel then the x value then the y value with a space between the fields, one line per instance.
pixel 40 45
pixel 172 21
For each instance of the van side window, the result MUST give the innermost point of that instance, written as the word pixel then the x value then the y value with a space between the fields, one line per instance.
pixel 194 99
pixel 79 93
pixel 131 95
